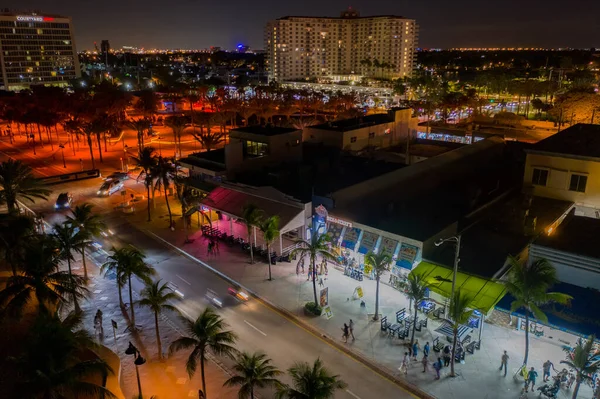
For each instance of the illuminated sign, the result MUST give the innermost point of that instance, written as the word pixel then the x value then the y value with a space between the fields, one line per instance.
pixel 338 221
pixel 33 18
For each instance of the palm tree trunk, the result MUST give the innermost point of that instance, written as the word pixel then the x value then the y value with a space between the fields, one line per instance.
pixel 526 338
pixel 119 287
pixel 85 273
pixel 168 207
pixel 158 343
pixel 576 389
pixel 202 375
pixel 251 251
pixel 149 217
pixel 376 317
pixel 269 261
pixel 251 392
pixel 414 328
pixel 453 353
pixel 89 139
pixel 77 309
pixel 99 147
pixel 131 302
pixel 314 279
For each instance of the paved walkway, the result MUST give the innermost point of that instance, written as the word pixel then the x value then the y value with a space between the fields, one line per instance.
pixel 478 376
pixel 164 379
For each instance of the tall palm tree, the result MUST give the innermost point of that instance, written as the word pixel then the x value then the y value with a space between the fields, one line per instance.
pixel 68 241
pixel 317 246
pixel 177 124
pixel 115 265
pixel 270 230
pixel 253 371
pixel 207 332
pixel 189 198
pixel 252 216
pixel 380 263
pixel 39 279
pixel 51 364
pixel 156 297
pixel 208 139
pixel 459 313
pixel 164 173
pixel 415 289
pixel 311 382
pixel 141 126
pixel 529 285
pixel 134 265
pixel 17 183
pixel 15 229
pixel 147 161
pixel 90 225
pixel 585 360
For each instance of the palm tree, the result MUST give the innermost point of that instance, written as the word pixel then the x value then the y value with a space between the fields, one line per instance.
pixel 89 224
pixel 207 332
pixel 189 198
pixel 529 285
pixel 317 246
pixel 209 140
pixel 380 263
pixel 415 289
pixel 164 173
pixel 68 241
pixel 270 230
pixel 585 360
pixel 146 160
pixel 252 216
pixel 311 382
pixel 156 298
pixel 14 231
pixel 141 126
pixel 459 314
pixel 134 265
pixel 39 279
pixel 17 183
pixel 51 364
pixel 115 265
pixel 177 125
pixel 253 371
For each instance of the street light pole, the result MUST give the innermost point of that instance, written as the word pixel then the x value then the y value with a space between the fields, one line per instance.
pixel 62 149
pixel 139 360
pixel 456 240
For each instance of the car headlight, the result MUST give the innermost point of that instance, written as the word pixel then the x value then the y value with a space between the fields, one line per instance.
pixel 67 205
pixel 56 206
pixel 99 192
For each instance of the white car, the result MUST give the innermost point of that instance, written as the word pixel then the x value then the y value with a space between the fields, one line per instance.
pixel 110 187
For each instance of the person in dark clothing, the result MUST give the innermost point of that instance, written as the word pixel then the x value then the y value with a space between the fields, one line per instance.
pixel 447 354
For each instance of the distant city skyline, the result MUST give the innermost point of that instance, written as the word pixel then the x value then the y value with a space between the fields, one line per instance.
pixel 189 24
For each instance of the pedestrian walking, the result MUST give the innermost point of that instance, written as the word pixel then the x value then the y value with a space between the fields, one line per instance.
pixel 447 355
pixel 504 362
pixel 216 247
pixel 310 269
pixel 345 331
pixel 425 363
pixel 571 380
pixel 531 376
pixel 415 349
pixel 351 328
pixel 321 284
pixel 426 348
pixel 404 365
pixel 437 366
pixel 209 248
pixel 546 369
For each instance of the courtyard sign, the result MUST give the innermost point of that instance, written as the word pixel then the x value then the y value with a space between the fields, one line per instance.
pixel 33 18
pixel 338 221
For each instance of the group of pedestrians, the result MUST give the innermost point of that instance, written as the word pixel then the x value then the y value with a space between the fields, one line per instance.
pixel 437 364
pixel 348 330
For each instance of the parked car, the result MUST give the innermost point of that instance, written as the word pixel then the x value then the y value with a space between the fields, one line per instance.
pixel 110 187
pixel 122 176
pixel 64 201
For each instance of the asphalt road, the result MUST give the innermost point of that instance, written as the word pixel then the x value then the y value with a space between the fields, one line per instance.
pixel 258 327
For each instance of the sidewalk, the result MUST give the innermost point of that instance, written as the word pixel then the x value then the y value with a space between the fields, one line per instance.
pixel 165 379
pixel 477 378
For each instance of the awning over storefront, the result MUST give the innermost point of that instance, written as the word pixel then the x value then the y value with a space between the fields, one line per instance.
pixel 232 202
pixel 485 293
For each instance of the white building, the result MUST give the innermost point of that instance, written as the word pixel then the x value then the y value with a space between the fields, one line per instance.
pixel 312 47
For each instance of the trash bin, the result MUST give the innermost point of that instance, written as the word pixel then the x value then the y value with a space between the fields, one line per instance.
pixel 273 259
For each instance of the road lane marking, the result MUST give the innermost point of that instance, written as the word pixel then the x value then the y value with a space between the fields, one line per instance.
pixel 184 280
pixel 352 394
pixel 245 321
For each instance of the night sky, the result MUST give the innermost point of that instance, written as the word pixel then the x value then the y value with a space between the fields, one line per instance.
pixel 443 23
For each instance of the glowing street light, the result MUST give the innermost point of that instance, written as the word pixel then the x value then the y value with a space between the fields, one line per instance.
pixel 62 149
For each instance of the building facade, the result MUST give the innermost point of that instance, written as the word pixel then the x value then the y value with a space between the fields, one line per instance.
pixel 36 49
pixel 322 47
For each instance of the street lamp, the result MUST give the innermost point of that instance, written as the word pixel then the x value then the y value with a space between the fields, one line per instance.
pixel 32 137
pixel 456 240
pixel 139 360
pixel 62 149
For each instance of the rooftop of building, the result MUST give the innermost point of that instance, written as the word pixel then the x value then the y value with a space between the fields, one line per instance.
pixel 264 130
pixel 7 12
pixel 212 160
pixel 576 235
pixel 580 140
pixel 322 171
pixel 346 125
pixel 490 236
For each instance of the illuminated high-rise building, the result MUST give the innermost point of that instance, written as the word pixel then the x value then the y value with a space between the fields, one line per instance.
pixel 36 49
pixel 316 47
